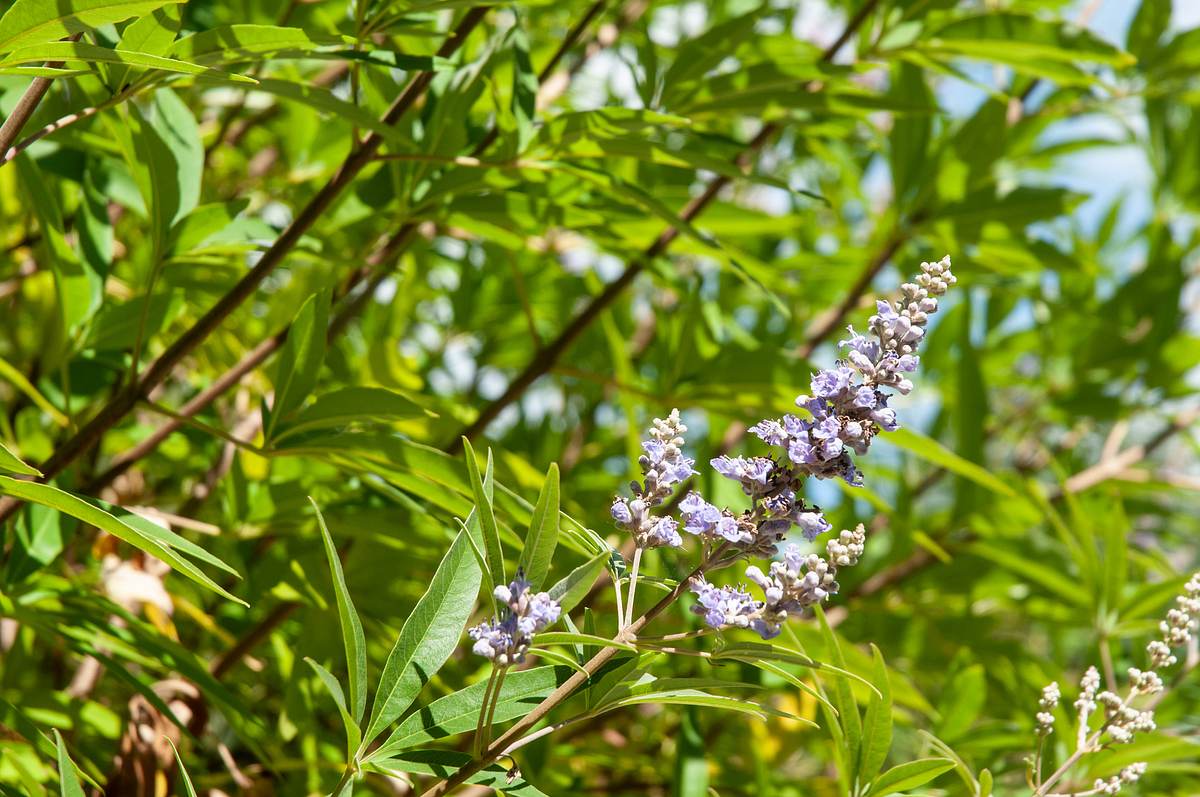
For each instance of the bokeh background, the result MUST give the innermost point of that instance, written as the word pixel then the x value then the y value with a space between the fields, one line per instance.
pixel 1035 517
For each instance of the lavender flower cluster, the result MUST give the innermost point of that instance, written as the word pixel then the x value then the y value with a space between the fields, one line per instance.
pixel 663 466
pixel 847 409
pixel 506 640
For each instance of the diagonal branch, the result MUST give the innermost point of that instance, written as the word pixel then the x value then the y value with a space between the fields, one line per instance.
pixel 25 107
pixel 377 263
pixel 127 398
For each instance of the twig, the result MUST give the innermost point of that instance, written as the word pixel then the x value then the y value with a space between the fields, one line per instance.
pixel 26 106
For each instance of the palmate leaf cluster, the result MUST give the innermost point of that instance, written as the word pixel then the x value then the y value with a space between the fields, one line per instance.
pixel 261 257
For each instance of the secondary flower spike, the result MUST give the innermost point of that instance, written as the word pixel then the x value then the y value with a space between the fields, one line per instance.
pixel 506 640
pixel 663 466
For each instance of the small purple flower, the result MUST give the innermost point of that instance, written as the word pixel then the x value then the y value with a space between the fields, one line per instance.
pixel 812 523
pixel 664 532
pixel 752 472
pixel 830 383
pixel 770 432
pixel 507 640
pixel 699 516
pixel 620 512
pixel 722 606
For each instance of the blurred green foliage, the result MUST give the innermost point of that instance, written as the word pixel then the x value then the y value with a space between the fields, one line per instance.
pixel 520 248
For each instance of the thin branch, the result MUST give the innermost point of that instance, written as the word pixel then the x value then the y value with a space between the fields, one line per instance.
pixel 394 246
pixel 161 368
pixel 25 107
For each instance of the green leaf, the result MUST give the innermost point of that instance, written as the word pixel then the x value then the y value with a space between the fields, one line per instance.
pixel 352 405
pixel 13 464
pixel 459 712
pixel 189 789
pixel 353 732
pixel 352 632
pixel 33 21
pixel 543 532
pixel 843 699
pixel 490 532
pixel 1020 40
pixel 566 638
pixel 116 326
pixel 964 699
pixel 301 358
pixel 152 34
pixel 909 776
pixel 695 697
pixel 75 52
pixel 170 161
pixel 226 41
pixel 163 536
pixel 935 453
pixel 68 780
pixel 441 764
pixel 571 589
pixel 18 380
pixel 1051 578
pixel 525 84
pixel 79 508
pixel 877 724
pixel 430 634
pixel 78 287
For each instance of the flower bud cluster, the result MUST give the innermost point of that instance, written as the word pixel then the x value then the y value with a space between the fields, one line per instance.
pixel 1085 704
pixel 1045 718
pixel 506 639
pixel 1178 626
pixel 1122 720
pixel 663 466
pixel 1129 774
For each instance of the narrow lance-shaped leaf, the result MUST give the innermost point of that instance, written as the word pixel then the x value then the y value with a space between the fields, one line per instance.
pixel 459 712
pixel 33 21
pixel 428 637
pixel 75 52
pixel 909 775
pixel 877 724
pixel 188 788
pixel 352 632
pixel 68 780
pixel 353 732
pixel 843 696
pixel 301 358
pixel 13 464
pixel 573 587
pixel 485 513
pixel 77 507
pixel 543 532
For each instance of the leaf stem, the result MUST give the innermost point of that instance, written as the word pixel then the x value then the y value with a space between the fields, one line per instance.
pixel 633 578
pixel 491 712
pixel 479 744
